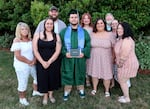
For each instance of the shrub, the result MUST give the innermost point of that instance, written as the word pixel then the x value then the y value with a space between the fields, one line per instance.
pixel 143 52
pixel 6 40
pixel 39 11
pixel 134 12
pixel 12 12
pixel 82 6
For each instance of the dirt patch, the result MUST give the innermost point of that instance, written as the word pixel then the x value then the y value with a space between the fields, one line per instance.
pixel 145 71
pixel 5 49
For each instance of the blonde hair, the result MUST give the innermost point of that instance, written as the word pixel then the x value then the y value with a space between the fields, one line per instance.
pixel 18 30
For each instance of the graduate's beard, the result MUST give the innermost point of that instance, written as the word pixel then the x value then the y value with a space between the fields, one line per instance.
pixel 74 24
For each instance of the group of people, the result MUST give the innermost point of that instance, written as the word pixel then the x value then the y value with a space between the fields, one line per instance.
pixel 75 55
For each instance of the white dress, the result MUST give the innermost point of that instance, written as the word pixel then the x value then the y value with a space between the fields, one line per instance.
pixel 23 70
pixel 26 51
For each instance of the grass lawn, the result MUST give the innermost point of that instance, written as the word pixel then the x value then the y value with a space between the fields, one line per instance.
pixel 139 92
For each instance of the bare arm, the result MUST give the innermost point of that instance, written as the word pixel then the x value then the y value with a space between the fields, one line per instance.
pixel 57 50
pixel 36 52
pixel 125 51
pixel 21 58
pixel 18 55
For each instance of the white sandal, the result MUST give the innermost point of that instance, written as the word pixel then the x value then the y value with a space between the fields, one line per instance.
pixel 93 92
pixel 52 100
pixel 44 102
pixel 24 101
pixel 123 100
pixel 107 94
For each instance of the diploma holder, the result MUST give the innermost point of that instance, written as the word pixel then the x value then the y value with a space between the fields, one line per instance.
pixel 75 53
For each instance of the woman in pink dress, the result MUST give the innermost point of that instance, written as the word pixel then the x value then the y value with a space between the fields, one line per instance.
pixel 126 59
pixel 101 60
pixel 86 23
pixel 114 26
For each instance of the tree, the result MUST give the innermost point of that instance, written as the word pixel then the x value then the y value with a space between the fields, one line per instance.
pixel 136 12
pixel 39 11
pixel 12 12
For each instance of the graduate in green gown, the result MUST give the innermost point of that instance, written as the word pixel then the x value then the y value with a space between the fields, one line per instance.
pixel 74 67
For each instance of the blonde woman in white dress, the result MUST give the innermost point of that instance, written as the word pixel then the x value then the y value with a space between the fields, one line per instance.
pixel 24 61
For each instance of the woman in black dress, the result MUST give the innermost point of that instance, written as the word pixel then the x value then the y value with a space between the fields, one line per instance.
pixel 47 46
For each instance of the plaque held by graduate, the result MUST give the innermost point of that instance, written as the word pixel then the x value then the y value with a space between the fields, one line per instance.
pixel 75 53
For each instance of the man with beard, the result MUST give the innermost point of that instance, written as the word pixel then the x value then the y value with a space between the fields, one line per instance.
pixel 75 51
pixel 58 24
pixel 109 18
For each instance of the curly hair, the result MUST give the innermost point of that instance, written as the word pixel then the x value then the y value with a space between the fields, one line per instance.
pixel 127 30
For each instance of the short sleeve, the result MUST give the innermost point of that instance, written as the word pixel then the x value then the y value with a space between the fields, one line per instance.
pixel 126 48
pixel 15 46
pixel 112 39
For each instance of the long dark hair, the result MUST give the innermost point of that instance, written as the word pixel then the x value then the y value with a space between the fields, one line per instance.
pixel 127 30
pixel 53 33
pixel 94 27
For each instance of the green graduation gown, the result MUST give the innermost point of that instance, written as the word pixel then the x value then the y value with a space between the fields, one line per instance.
pixel 73 70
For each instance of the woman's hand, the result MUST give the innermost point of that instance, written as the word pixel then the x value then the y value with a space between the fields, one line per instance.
pixel 45 64
pixel 33 62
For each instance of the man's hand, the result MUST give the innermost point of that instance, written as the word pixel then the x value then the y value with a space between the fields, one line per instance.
pixel 68 55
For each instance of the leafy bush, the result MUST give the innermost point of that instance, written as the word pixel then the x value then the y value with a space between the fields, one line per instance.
pixel 82 6
pixel 6 40
pixel 12 12
pixel 143 52
pixel 135 12
pixel 39 11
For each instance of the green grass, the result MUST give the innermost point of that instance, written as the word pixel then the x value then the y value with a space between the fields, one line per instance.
pixel 139 92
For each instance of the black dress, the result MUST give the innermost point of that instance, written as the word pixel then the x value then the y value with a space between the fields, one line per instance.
pixel 48 79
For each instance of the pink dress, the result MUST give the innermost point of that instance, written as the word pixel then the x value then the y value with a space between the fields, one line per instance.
pixel 100 62
pixel 125 50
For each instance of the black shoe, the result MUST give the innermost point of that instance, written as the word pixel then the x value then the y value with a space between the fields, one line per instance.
pixel 65 97
pixel 82 95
